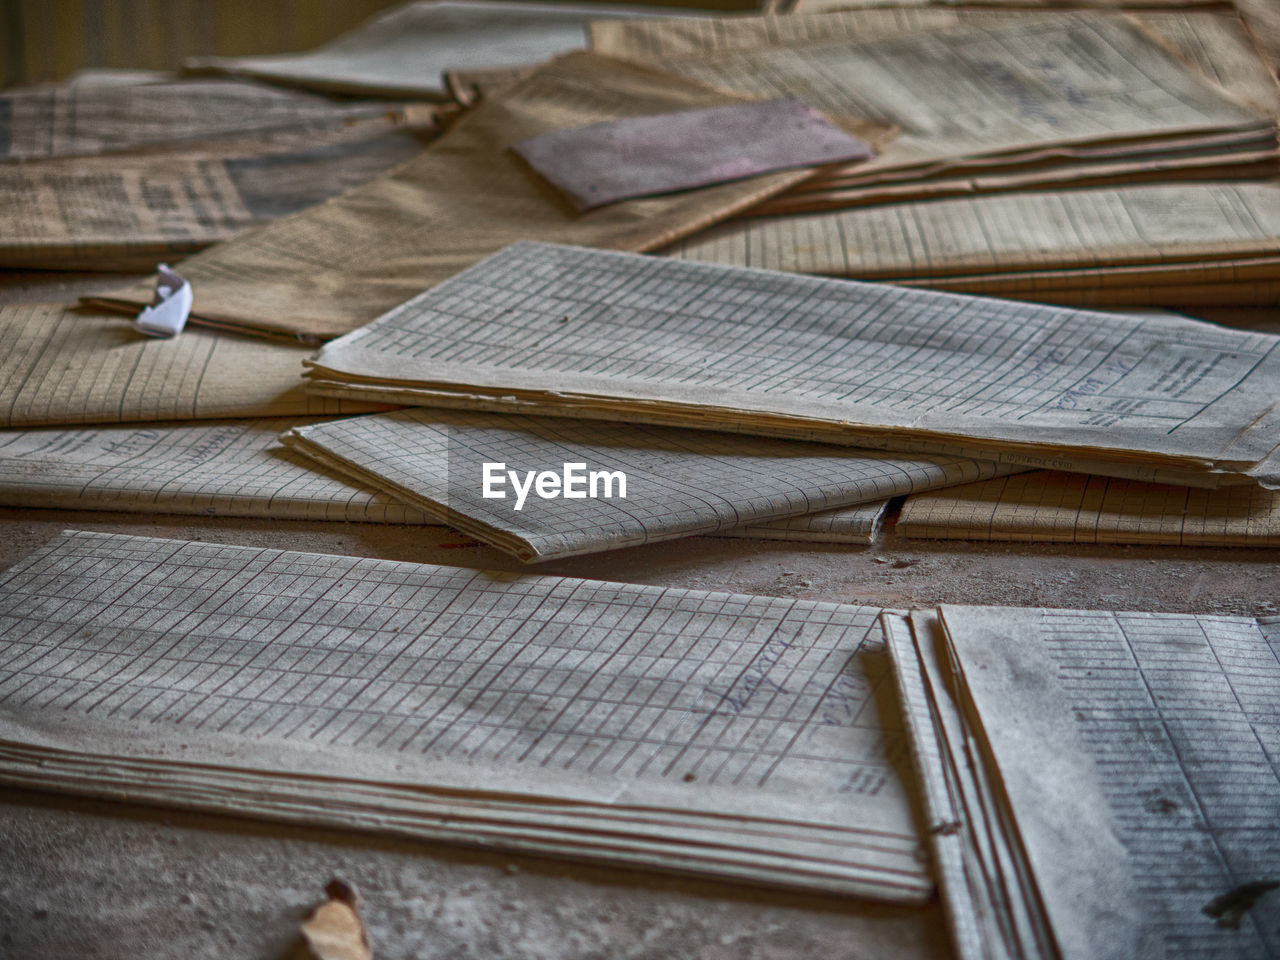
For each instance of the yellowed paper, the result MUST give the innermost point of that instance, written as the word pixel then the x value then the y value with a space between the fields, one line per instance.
pixel 334 930
pixel 64 367
pixel 129 211
pixel 1023 244
pixel 83 120
pixel 1051 507
pixel 336 266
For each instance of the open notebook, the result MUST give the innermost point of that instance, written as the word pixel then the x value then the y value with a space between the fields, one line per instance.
pixel 734 736
pixel 1099 784
pixel 541 328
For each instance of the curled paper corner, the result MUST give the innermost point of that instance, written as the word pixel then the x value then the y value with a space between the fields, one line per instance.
pixel 168 315
pixel 334 930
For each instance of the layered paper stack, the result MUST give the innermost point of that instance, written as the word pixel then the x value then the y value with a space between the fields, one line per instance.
pixel 1159 127
pixel 734 736
pixel 1098 784
pixel 567 331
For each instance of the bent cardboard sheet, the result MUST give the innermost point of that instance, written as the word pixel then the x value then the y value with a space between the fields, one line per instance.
pixel 733 736
pixel 653 340
pixel 632 484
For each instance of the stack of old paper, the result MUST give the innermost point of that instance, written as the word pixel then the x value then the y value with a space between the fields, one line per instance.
pixel 121 176
pixel 329 269
pixel 542 487
pixel 1118 179
pixel 540 328
pixel 735 736
pixel 1097 784
pixel 1051 507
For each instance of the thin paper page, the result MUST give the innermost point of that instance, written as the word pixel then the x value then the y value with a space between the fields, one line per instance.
pixel 226 469
pixel 1045 506
pixel 862 364
pixel 62 367
pixel 950 90
pixel 1101 228
pixel 1215 41
pixel 333 267
pixel 628 484
pixel 403 51
pixel 128 212
pixel 490 688
pixel 80 121
pixel 1176 712
pixel 857 524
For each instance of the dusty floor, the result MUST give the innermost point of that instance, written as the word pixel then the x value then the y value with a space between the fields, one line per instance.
pixel 96 880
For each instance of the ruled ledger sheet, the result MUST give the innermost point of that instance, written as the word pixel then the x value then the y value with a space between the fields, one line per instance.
pixel 1050 507
pixel 632 484
pixel 229 468
pixel 566 330
pixel 1100 784
pixel 712 733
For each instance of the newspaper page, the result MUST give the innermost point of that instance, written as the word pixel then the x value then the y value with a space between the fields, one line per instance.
pixel 567 330
pixel 334 267
pixel 735 736
pixel 603 486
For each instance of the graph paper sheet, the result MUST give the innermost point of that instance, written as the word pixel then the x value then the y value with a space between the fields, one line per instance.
pixel 857 524
pixel 707 732
pixel 657 340
pixel 1052 507
pixel 224 469
pixel 1163 723
pixel 330 268
pixel 62 367
pixel 678 483
pixel 986 85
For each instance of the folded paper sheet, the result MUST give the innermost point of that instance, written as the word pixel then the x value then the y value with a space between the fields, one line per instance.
pixel 331 268
pixel 63 367
pixel 566 330
pixel 1050 507
pixel 1106 246
pixel 83 120
pixel 127 211
pixel 1073 77
pixel 644 156
pixel 1099 784
pixel 404 51
pixel 705 732
pixel 225 469
pixel 632 484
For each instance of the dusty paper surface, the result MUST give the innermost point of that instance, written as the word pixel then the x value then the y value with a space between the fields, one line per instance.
pixel 1073 508
pixel 404 51
pixel 227 469
pixel 857 524
pixel 541 710
pixel 334 267
pixel 1182 232
pixel 949 89
pixel 635 484
pixel 79 121
pixel 1174 711
pixel 126 212
pixel 64 367
pixel 862 364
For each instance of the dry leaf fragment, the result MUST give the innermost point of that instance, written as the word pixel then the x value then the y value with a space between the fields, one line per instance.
pixel 334 930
